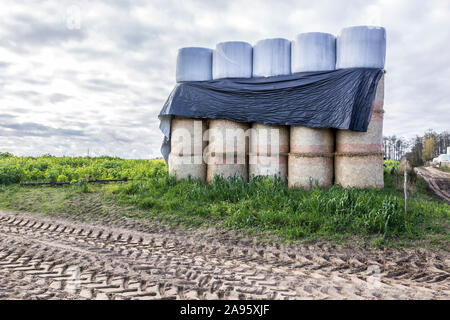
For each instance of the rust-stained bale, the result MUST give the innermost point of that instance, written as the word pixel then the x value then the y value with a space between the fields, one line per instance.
pixel 359 171
pixel 311 157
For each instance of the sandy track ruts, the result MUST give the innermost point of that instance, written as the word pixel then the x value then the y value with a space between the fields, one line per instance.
pixel 438 181
pixel 41 257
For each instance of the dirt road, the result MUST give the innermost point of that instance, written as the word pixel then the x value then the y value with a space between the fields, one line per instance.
pixel 47 258
pixel 438 181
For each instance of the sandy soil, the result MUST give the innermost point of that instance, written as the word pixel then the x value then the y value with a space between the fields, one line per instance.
pixel 438 181
pixel 53 258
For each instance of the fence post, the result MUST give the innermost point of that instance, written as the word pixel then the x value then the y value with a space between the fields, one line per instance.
pixel 405 187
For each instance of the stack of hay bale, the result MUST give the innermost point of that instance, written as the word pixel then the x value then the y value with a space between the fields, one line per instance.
pixel 269 144
pixel 227 152
pixel 311 150
pixel 187 144
pixel 306 156
pixel 359 156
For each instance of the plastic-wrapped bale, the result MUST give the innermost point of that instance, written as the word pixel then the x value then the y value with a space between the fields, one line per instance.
pixel 361 47
pixel 359 156
pixel 226 154
pixel 187 145
pixel 269 148
pixel 272 57
pixel 232 59
pixel 194 64
pixel 269 145
pixel 313 51
pixel 311 157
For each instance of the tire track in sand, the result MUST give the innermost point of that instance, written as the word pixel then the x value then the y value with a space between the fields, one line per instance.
pixel 44 258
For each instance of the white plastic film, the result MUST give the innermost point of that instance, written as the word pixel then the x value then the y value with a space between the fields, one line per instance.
pixel 361 47
pixel 194 64
pixel 232 59
pixel 272 57
pixel 313 51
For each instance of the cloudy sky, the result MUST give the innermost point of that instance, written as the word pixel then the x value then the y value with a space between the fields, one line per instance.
pixel 93 75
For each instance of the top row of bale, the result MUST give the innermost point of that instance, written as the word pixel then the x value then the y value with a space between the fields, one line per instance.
pixel 354 47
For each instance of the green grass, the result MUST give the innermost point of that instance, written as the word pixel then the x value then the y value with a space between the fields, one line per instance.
pixel 261 206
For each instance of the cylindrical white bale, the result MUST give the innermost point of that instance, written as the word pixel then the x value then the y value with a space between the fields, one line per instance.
pixel 448 150
pixel 232 59
pixel 194 64
pixel 313 51
pixel 359 171
pixel 269 147
pixel 187 136
pixel 361 47
pixel 311 157
pixel 272 57
pixel 182 167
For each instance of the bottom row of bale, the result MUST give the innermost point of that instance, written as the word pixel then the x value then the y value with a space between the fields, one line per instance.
pixel 304 156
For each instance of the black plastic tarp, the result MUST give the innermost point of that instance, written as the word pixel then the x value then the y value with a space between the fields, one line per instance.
pixel 340 99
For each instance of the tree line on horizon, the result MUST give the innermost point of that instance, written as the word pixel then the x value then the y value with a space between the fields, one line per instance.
pixel 419 149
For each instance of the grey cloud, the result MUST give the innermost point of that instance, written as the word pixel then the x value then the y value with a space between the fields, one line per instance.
pixel 7 116
pixel 36 129
pixel 90 53
pixel 32 81
pixel 58 97
pixel 25 93
pixel 25 30
pixel 102 85
pixel 19 110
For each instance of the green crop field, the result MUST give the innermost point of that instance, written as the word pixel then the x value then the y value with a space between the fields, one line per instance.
pixel 263 205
